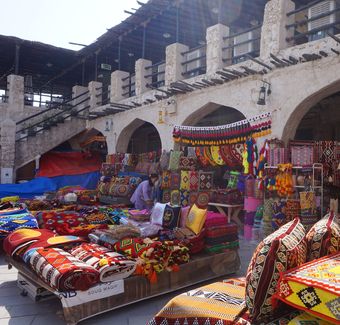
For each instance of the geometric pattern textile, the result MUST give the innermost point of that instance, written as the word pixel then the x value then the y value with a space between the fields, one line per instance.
pixel 175 181
pixel 307 319
pixel 314 287
pixel 205 181
pixel 323 238
pixel 174 160
pixel 283 250
pixel 185 181
pixel 184 198
pixel 62 271
pixel 111 266
pixel 187 163
pixel 219 303
pixel 194 180
pixel 175 197
pixel 9 223
pixel 166 179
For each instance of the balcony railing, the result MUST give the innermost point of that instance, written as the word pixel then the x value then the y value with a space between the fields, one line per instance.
pixel 241 45
pixel 129 90
pixel 157 74
pixel 314 21
pixel 195 61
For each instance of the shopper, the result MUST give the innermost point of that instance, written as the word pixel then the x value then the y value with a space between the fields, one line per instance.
pixel 142 198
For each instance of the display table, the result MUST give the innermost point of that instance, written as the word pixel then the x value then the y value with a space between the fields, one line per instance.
pixel 80 305
pixel 233 211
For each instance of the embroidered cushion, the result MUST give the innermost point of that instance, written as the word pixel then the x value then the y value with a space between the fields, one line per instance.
pixel 171 217
pixel 184 215
pixel 314 287
pixel 196 219
pixel 282 250
pixel 323 238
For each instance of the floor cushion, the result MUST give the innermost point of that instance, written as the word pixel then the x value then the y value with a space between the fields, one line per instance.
pixel 323 238
pixel 285 249
pixel 314 287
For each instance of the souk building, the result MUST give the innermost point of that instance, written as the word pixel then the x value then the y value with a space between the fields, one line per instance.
pixel 173 62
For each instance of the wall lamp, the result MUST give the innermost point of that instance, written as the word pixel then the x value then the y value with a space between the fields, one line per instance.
pixel 265 90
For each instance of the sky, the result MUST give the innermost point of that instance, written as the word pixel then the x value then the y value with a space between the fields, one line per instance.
pixel 58 22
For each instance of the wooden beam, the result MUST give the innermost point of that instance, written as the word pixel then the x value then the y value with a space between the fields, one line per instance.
pixel 259 62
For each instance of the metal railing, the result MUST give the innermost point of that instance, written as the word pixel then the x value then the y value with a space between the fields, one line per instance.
pixel 129 90
pixel 314 21
pixel 241 45
pixel 156 74
pixel 195 61
pixel 31 125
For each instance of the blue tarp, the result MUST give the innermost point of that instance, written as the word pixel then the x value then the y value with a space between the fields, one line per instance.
pixel 40 185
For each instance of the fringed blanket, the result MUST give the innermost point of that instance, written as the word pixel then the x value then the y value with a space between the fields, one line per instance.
pixel 111 266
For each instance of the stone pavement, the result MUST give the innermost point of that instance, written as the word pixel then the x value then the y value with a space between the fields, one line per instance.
pixel 18 310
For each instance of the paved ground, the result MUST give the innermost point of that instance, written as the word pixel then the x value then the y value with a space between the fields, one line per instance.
pixel 18 310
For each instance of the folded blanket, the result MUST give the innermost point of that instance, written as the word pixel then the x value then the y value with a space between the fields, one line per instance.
pixel 111 266
pixel 218 231
pixel 61 270
pixel 12 222
pixel 220 240
pixel 221 247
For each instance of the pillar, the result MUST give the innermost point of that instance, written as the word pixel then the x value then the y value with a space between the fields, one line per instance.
pixel 7 142
pixel 141 76
pixel 77 91
pixel 173 62
pixel 95 92
pixel 119 79
pixel 15 94
pixel 215 44
pixel 274 32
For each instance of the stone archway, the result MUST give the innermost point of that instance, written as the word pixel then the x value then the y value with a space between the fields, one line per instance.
pixel 295 118
pixel 135 137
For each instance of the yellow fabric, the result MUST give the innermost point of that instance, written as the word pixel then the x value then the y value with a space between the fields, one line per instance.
pixel 215 153
pixel 196 219
pixel 305 318
pixel 9 199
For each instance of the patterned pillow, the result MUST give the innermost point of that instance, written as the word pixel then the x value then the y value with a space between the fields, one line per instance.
pixel 122 190
pixel 323 238
pixel 307 319
pixel 184 215
pixel 171 217
pixel 196 219
pixel 314 287
pixel 284 249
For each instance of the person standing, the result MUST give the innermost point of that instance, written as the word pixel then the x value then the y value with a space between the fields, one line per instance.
pixel 142 198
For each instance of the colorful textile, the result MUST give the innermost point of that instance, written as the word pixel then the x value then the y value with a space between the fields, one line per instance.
pixel 215 249
pixel 174 160
pixel 166 197
pixel 193 198
pixel 232 154
pixel 216 303
pixel 166 179
pixel 284 249
pixel 175 197
pixel 184 216
pixel 216 155
pixel 184 198
pixel 17 242
pixel 206 181
pixel 185 180
pixel 115 215
pixel 157 214
pixel 217 219
pixel 52 220
pixel 175 181
pixel 111 266
pixel 323 238
pixel 187 163
pixel 221 230
pixel 139 215
pixel 216 240
pixel 279 216
pixel 62 271
pixel 292 209
pixel 96 218
pixel 194 242
pixel 203 198
pixel 12 222
pixel 204 162
pixel 307 319
pixel 314 287
pixel 194 180
pixel 171 217
pixel 196 219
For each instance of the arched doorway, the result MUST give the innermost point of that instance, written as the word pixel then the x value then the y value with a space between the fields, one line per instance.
pixel 144 139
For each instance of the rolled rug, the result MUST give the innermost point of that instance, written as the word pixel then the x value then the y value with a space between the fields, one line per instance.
pixel 111 266
pixel 60 270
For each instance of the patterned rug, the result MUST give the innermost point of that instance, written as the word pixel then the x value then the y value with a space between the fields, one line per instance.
pixel 175 181
pixel 205 181
pixel 203 199
pixel 193 198
pixel 175 197
pixel 185 181
pixel 166 198
pixel 174 160
pixel 185 198
pixel 166 179
pixel 194 180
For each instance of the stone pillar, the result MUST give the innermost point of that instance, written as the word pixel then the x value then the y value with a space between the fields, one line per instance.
pixel 7 142
pixel 173 62
pixel 95 92
pixel 215 43
pixel 15 93
pixel 77 91
pixel 274 32
pixel 141 73
pixel 118 80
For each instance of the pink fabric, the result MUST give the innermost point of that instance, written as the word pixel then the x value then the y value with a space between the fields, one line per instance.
pixel 184 216
pixel 251 204
pixel 215 219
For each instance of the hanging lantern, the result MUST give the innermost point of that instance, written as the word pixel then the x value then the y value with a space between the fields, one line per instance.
pixel 262 96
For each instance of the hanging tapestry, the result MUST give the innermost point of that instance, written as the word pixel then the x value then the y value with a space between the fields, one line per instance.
pixel 166 179
pixel 175 181
pixel 203 199
pixel 208 156
pixel 187 163
pixel 185 198
pixel 216 155
pixel 194 180
pixel 166 198
pixel 174 160
pixel 185 181
pixel 205 181
pixel 237 132
pixel 200 157
pixel 193 198
pixel 175 197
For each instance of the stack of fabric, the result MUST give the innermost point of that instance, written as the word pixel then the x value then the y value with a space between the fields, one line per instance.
pixel 219 235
